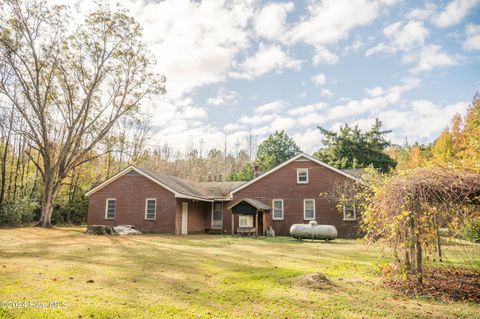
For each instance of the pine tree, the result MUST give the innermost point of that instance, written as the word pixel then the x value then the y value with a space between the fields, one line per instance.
pixel 351 148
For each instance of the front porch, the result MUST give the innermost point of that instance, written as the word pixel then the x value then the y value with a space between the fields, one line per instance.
pixel 250 217
pixel 246 217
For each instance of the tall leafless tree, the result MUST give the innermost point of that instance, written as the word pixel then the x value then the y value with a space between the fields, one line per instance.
pixel 73 82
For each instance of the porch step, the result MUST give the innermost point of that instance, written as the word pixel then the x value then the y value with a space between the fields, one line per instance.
pixel 213 231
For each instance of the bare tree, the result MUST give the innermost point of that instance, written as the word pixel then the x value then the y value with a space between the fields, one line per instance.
pixel 74 82
pixel 251 145
pixel 6 125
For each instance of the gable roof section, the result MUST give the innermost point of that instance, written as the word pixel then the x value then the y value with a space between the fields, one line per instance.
pixel 204 190
pixel 180 187
pixel 255 203
pixel 356 172
pixel 296 157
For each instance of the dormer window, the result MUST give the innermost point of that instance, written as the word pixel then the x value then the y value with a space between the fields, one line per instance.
pixel 302 176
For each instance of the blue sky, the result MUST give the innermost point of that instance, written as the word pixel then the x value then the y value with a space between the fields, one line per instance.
pixel 236 68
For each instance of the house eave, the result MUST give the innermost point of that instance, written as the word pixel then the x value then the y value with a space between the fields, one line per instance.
pixel 183 196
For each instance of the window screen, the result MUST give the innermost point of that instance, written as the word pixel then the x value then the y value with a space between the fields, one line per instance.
pixel 151 212
pixel 277 209
pixel 302 176
pixel 111 208
pixel 309 209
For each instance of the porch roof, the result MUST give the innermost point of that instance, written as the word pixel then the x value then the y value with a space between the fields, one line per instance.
pixel 252 202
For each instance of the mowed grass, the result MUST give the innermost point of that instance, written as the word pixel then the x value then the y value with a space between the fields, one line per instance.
pixel 201 276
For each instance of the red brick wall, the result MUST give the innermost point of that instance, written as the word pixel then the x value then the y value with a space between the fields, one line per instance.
pixel 131 193
pixel 282 184
pixel 207 222
pixel 197 212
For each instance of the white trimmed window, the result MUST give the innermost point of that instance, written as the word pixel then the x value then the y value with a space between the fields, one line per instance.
pixel 349 212
pixel 217 215
pixel 110 208
pixel 277 205
pixel 308 209
pixel 151 208
pixel 245 221
pixel 302 176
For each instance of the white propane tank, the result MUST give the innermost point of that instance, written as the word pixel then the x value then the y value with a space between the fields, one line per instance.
pixel 313 231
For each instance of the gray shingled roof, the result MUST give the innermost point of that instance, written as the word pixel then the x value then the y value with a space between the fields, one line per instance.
pixel 207 190
pixel 355 172
pixel 255 203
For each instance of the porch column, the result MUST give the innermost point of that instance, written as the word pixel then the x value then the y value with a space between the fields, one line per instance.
pixel 256 224
pixel 264 223
pixel 233 224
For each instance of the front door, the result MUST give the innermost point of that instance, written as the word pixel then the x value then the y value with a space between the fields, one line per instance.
pixel 261 227
pixel 184 218
pixel 217 215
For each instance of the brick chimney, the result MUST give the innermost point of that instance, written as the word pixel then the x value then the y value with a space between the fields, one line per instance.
pixel 256 170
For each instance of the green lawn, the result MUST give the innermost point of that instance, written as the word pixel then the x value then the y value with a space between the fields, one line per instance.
pixel 200 276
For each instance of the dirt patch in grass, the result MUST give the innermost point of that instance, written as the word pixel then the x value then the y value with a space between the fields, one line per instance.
pixel 447 284
pixel 316 281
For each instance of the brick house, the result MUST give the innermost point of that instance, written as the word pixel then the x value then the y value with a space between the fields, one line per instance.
pixel 285 195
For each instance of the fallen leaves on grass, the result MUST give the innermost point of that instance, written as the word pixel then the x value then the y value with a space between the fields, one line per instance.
pixel 447 284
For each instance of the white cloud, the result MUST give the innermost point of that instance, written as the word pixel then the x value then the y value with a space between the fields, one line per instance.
pixel 271 107
pixel 300 122
pixel 430 57
pixel 271 21
pixel 375 91
pixel 283 123
pixel 419 120
pixel 223 98
pixel 262 131
pixel 422 13
pixel 267 59
pixel 195 43
pixel 454 12
pixel 302 110
pixel 472 34
pixel 325 56
pixel 309 140
pixel 332 20
pixel 326 92
pixel 312 119
pixel 354 46
pixel 232 127
pixel 319 79
pixel 192 113
pixel 371 105
pixel 402 36
pixel 200 43
pixel 257 119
